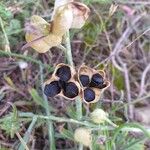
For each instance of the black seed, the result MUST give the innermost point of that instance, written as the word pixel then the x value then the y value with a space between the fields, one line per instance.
pixel 62 84
pixel 52 89
pixel 96 80
pixel 64 73
pixel 89 95
pixel 84 79
pixel 101 86
pixel 71 90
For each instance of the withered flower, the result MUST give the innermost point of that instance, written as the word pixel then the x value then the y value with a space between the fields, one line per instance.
pixel 41 35
pixel 93 83
pixel 62 83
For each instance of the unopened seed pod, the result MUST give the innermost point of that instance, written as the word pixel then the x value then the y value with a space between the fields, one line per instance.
pixel 64 72
pixel 98 116
pixel 83 136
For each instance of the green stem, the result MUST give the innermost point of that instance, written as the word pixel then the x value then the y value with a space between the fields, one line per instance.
pixel 70 62
pixel 47 109
pixel 28 133
pixel 60 119
pixel 27 58
pixel 7 47
pixel 68 50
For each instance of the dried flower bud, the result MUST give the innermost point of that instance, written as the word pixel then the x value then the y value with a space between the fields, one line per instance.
pixel 83 136
pixel 98 116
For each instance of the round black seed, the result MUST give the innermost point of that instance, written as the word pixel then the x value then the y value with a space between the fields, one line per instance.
pixel 84 79
pixel 52 89
pixel 89 95
pixel 96 80
pixel 64 73
pixel 71 90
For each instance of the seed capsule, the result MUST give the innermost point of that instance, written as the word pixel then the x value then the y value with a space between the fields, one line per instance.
pixel 64 73
pixel 71 90
pixel 96 80
pixel 84 79
pixel 52 89
pixel 89 95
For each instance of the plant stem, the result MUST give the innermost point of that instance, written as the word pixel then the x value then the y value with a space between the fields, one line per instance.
pixel 27 58
pixel 7 47
pixel 22 141
pixel 68 49
pixel 28 133
pixel 47 109
pixel 70 62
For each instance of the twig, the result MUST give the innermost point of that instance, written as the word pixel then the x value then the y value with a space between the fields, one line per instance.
pixel 142 89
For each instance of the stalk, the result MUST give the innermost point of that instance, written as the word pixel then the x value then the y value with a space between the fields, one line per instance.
pixel 70 62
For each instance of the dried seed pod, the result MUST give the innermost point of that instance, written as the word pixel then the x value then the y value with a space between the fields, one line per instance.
pixel 64 72
pixel 52 89
pixel 93 83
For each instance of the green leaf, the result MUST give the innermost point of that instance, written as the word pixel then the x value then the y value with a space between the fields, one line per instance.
pixel 67 134
pixel 36 97
pixel 10 123
pixel 4 13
